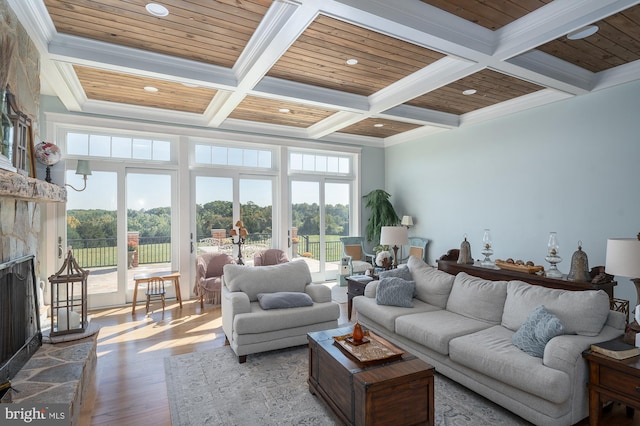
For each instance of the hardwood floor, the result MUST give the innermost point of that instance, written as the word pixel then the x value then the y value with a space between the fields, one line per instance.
pixel 129 387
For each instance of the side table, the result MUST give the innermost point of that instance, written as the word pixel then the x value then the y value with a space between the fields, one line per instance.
pixel 612 379
pixel 355 287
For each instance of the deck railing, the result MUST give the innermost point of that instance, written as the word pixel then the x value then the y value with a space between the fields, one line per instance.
pixel 100 252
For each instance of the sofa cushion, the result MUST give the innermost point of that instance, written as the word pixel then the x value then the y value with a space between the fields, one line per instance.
pixel 386 315
pixel 395 291
pixel 477 298
pixel 491 352
pixel 540 327
pixel 432 286
pixel 435 329
pixel 284 300
pixel 290 276
pixel 259 320
pixel 580 312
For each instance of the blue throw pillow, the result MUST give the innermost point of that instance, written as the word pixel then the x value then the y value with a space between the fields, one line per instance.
pixel 540 327
pixel 284 299
pixel 403 273
pixel 395 292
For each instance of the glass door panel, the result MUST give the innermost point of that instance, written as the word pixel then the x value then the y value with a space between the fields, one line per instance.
pixel 256 212
pixel 305 221
pixel 214 214
pixel 336 224
pixel 149 214
pixel 92 231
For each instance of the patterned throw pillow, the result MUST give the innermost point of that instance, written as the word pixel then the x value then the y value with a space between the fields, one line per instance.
pixel 401 272
pixel 540 327
pixel 395 291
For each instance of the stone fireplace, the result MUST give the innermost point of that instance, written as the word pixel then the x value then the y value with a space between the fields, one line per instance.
pixel 20 333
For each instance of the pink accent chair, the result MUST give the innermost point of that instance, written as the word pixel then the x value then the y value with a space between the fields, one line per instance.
pixel 209 276
pixel 270 257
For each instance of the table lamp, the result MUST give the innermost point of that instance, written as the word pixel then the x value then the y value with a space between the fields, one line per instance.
pixel 623 259
pixel 394 236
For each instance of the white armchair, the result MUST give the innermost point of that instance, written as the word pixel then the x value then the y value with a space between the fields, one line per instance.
pixel 251 325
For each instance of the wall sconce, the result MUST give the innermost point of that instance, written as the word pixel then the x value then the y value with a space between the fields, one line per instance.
pixel 84 169
pixel 407 221
pixel 241 233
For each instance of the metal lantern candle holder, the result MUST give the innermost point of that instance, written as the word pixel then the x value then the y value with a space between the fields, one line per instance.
pixel 69 298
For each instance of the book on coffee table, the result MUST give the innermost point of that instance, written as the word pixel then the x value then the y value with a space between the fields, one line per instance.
pixel 615 348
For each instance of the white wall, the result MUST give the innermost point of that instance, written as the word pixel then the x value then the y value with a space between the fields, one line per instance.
pixel 570 167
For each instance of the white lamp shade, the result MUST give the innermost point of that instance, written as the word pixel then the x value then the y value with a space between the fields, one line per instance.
pixel 623 257
pixel 406 221
pixel 394 236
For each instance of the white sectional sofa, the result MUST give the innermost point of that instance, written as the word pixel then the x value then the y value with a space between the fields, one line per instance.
pixel 252 325
pixel 464 326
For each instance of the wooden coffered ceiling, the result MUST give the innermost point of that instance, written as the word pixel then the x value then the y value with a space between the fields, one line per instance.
pixel 281 67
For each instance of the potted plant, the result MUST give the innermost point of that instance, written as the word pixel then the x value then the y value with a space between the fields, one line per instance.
pixel 382 213
pixel 131 253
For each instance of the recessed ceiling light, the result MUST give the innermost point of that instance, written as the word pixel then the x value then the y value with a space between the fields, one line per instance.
pixel 583 32
pixel 284 110
pixel 157 9
pixel 352 61
pixel 469 92
pixel 378 125
pixel 151 89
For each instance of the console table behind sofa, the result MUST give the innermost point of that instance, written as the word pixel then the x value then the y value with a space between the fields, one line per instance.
pixel 488 273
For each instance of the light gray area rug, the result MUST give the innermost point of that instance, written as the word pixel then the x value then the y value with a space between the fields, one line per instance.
pixel 212 388
pixel 338 294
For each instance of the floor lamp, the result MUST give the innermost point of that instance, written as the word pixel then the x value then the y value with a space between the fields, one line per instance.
pixel 623 259
pixel 394 236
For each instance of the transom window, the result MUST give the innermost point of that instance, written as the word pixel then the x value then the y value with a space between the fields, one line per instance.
pixel 319 163
pixel 228 156
pixel 102 145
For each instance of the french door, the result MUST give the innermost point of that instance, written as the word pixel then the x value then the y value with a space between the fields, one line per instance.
pixel 320 215
pixel 221 201
pixel 121 225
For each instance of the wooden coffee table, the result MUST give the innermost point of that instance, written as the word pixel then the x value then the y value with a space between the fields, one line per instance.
pixel 398 392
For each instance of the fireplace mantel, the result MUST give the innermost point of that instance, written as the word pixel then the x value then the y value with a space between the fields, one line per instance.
pixel 15 185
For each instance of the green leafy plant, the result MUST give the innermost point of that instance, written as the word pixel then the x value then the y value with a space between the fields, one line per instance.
pixel 382 213
pixel 132 247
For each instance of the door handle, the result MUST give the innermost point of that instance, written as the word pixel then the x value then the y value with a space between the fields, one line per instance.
pixel 59 247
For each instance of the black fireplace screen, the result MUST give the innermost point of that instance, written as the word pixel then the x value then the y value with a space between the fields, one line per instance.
pixel 20 333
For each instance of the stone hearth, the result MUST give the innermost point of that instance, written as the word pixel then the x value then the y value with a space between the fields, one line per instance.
pixel 57 374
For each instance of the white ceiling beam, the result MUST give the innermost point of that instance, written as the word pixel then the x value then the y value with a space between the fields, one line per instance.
pixel 107 56
pixel 281 26
pixel 291 91
pixel 418 23
pixel 550 22
pixel 422 116
pixel 429 78
pixel 532 100
pixel 334 123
